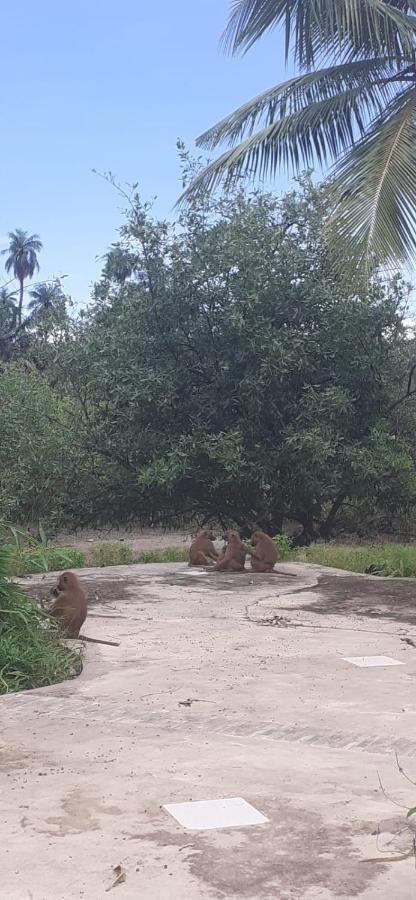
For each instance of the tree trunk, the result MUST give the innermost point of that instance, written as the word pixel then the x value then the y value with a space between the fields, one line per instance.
pixel 20 307
pixel 325 530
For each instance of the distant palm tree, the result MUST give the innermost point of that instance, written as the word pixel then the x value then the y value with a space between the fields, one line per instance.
pixel 8 313
pixel 353 104
pixel 45 297
pixel 22 260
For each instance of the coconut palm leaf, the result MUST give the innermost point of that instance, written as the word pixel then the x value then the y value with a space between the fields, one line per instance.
pixel 320 130
pixel 316 29
pixel 376 186
pixel 374 82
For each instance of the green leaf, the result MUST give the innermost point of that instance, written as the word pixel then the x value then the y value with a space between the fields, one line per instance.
pixel 317 28
pixel 376 184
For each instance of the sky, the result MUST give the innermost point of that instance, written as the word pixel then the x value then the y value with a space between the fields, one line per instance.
pixel 109 86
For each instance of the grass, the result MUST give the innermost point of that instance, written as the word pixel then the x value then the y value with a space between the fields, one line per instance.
pixel 108 554
pixel 31 653
pixel 167 554
pixel 397 560
pixel 32 560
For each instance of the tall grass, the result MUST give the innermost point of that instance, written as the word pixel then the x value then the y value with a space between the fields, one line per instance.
pixel 31 654
pixel 398 560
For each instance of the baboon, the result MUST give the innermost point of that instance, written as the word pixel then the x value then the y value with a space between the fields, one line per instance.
pixel 70 604
pixel 264 555
pixel 234 556
pixel 202 551
pixel 70 608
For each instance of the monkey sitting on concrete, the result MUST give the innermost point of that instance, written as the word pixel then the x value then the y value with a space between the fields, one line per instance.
pixel 233 557
pixel 202 551
pixel 70 608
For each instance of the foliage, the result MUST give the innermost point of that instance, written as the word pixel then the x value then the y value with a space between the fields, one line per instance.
pixel 109 554
pixel 43 559
pixel 31 654
pixel 234 376
pixel 353 102
pixel 41 466
pixel 166 554
pixel 397 560
pixel 283 545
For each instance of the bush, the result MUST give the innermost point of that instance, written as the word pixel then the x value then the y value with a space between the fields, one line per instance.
pixel 31 654
pixel 111 555
pixel 283 544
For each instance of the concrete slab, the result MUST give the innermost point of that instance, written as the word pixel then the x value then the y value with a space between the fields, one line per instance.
pixel 223 686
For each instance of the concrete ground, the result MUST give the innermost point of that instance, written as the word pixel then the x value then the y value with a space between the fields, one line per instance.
pixel 223 686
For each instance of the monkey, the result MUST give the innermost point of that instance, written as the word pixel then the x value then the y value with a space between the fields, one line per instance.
pixel 70 609
pixel 263 554
pixel 234 556
pixel 202 551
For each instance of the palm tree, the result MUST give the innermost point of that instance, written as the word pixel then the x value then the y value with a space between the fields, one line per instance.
pixel 22 260
pixel 352 104
pixel 45 297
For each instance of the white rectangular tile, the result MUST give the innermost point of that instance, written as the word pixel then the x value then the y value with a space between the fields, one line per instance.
pixel 233 812
pixel 367 661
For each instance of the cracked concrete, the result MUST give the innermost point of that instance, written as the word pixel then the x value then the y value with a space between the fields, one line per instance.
pixel 223 685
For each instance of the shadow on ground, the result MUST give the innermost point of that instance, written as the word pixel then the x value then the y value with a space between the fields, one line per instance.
pixel 360 596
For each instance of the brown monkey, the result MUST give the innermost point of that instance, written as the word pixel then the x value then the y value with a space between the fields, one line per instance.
pixel 264 555
pixel 234 556
pixel 70 608
pixel 202 550
pixel 70 604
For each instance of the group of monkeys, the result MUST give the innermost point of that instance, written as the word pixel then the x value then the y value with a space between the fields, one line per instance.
pixel 69 606
pixel 262 551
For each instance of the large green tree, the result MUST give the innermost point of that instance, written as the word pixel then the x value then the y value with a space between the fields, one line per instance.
pixel 22 260
pixel 235 375
pixel 353 103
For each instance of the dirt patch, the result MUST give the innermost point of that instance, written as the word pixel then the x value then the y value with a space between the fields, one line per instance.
pixel 138 540
pixel 355 595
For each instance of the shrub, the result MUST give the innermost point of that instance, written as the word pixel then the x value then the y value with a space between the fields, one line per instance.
pixel 283 544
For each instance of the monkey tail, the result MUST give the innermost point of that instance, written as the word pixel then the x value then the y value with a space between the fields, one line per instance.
pixel 90 640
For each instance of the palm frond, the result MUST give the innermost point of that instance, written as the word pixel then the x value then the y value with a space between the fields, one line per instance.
pixel 319 131
pixel 374 78
pixel 315 29
pixel 376 185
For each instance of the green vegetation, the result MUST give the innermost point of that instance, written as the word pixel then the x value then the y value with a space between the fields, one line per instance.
pixel 167 554
pixel 353 102
pixel 109 554
pixel 398 560
pixel 31 654
pixel 32 560
pixel 223 372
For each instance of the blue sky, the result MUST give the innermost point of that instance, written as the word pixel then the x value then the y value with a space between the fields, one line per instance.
pixel 109 86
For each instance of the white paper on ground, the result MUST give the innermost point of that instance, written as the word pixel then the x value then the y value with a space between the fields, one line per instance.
pixel 367 661
pixel 233 812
